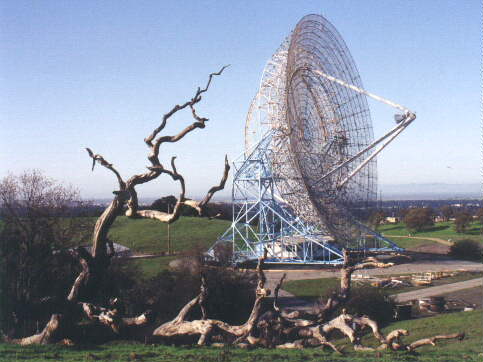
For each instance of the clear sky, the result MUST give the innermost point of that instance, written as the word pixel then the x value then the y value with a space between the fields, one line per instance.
pixel 100 74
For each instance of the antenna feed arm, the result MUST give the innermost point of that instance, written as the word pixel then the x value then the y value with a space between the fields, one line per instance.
pixel 410 115
pixel 407 117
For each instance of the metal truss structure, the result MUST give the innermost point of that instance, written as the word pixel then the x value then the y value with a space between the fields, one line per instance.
pixel 261 220
pixel 308 173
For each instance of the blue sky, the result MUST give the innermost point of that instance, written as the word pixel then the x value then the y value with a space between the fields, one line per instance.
pixel 100 75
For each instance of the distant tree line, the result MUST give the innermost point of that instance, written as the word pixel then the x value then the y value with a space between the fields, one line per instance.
pixel 422 218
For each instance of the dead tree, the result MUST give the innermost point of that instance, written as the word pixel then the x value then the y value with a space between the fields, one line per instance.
pixel 276 329
pixel 95 263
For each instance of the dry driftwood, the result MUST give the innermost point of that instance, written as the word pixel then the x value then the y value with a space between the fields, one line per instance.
pixel 288 330
pixel 394 340
pixel 211 328
pixel 112 317
pixel 50 334
pixel 345 284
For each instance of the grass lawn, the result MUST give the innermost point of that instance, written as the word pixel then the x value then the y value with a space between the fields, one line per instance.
pixel 312 289
pixel 408 243
pixel 151 236
pixel 442 230
pixel 469 349
pixel 152 266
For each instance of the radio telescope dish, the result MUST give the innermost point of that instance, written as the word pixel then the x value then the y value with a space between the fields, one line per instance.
pixel 325 124
pixel 267 107
pixel 308 174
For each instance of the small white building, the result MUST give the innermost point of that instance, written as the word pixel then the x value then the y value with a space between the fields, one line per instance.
pixel 391 219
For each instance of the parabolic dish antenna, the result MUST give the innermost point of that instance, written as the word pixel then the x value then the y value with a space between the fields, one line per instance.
pixel 308 174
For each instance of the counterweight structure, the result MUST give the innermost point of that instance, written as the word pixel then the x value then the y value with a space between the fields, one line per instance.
pixel 308 173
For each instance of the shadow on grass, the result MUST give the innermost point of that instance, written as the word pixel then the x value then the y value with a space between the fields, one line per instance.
pixel 435 228
pixel 395 227
pixel 474 231
pixel 85 346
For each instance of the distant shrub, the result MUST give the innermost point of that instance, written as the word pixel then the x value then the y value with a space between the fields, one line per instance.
pixel 224 254
pixel 164 204
pixel 466 249
pixel 462 221
pixel 479 216
pixel 167 204
pixel 377 218
pixel 418 219
pixel 223 211
pixel 370 301
pixel 373 302
pixel 231 293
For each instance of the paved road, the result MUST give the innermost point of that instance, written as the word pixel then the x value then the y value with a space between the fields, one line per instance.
pixel 288 300
pixel 438 290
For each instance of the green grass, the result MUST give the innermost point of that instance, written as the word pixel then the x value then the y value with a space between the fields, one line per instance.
pixel 311 289
pixel 152 266
pixel 469 349
pixel 151 236
pixel 148 236
pixel 408 243
pixel 442 230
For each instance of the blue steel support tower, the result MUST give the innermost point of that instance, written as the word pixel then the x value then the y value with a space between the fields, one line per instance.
pixel 309 168
pixel 261 220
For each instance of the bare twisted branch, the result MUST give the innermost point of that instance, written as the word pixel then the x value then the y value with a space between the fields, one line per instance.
pixel 196 99
pixel 200 205
pixel 98 158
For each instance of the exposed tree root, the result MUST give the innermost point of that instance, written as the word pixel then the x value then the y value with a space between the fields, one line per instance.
pixel 49 335
pixel 299 329
pixel 273 329
pixel 112 317
pixel 432 341
pixel 212 328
